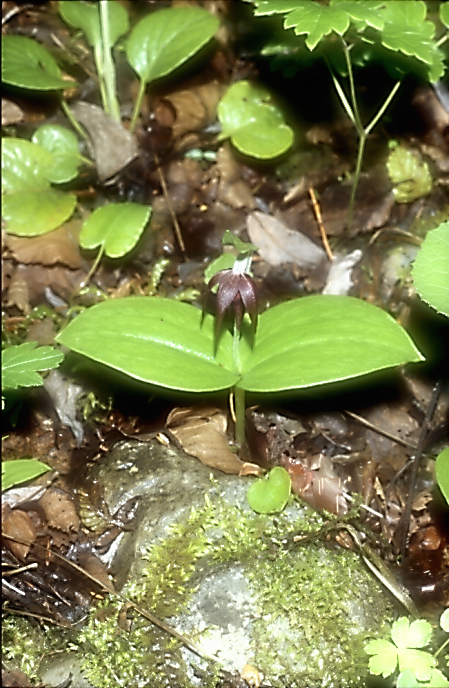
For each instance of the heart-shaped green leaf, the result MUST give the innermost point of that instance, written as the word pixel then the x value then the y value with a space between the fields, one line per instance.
pixel 30 206
pixel 431 269
pixel 321 339
pixel 20 471
pixel 157 340
pixel 85 16
pixel 116 227
pixel 63 144
pixel 167 38
pixel 269 495
pixel 25 63
pixel 254 124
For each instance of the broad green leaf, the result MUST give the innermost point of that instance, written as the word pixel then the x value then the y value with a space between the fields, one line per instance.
pixel 156 340
pixel 317 21
pixel 411 635
pixel 431 269
pixel 20 471
pixel 116 227
pixel 63 144
pixel 384 659
pixel 21 363
pixel 254 124
pixel 409 173
pixel 27 64
pixel 269 495
pixel 442 473
pixel 30 206
pixel 363 14
pixel 437 680
pixel 86 16
pixel 165 39
pixel 320 339
pixel 223 262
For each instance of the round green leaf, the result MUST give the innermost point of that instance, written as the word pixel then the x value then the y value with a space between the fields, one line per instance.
pixel 86 16
pixel 25 63
pixel 20 471
pixel 63 144
pixel 320 339
pixel 30 206
pixel 431 269
pixel 117 227
pixel 167 38
pixel 156 340
pixel 269 495
pixel 442 473
pixel 254 124
pixel 444 619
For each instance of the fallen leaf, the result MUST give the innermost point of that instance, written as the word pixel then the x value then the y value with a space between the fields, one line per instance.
pixel 60 511
pixel 59 246
pixel 18 292
pixel 18 524
pixel 278 244
pixel 64 395
pixel 113 146
pixel 201 431
pixel 11 113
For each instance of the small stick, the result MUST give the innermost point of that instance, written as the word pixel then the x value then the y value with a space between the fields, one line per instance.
pixel 178 233
pixel 386 434
pixel 319 219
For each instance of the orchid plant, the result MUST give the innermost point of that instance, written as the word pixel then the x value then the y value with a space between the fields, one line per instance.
pixel 302 343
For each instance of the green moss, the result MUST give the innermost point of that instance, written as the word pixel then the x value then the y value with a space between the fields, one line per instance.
pixel 300 589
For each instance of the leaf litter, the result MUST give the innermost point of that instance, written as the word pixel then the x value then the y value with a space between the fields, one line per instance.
pixel 328 456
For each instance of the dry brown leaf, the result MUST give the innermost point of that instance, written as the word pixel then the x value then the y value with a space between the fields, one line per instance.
pixel 59 246
pixel 232 189
pixel 11 113
pixel 113 146
pixel 278 244
pixel 92 564
pixel 18 524
pixel 194 108
pixel 60 511
pixel 18 291
pixel 201 431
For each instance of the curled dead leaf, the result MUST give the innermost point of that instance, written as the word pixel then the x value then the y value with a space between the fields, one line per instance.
pixel 59 246
pixel 18 524
pixel 201 431
pixel 60 511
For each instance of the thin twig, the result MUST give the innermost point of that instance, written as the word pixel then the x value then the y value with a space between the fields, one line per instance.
pixel 178 232
pixel 386 434
pixel 319 219
pixel 405 519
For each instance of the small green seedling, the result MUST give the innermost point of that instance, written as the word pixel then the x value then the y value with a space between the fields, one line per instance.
pixel 353 34
pixel 409 173
pixel 19 471
pixel 417 667
pixel 269 495
pixel 299 344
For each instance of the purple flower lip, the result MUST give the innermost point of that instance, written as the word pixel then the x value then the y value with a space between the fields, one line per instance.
pixel 237 290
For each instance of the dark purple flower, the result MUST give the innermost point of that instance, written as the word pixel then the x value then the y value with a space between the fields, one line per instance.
pixel 237 290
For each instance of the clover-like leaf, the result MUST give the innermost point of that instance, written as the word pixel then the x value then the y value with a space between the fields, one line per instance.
pixel 27 64
pixel 116 228
pixel 30 206
pixel 384 658
pixel 254 123
pixel 431 269
pixel 20 471
pixel 63 144
pixel 85 16
pixel 411 635
pixel 165 39
pixel 269 495
pixel 21 363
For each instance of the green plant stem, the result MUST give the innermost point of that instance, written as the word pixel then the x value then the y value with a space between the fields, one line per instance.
pixel 94 266
pixel 137 106
pixel 105 65
pixel 72 119
pixel 352 110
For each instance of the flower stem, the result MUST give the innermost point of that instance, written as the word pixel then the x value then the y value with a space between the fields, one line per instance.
pixel 239 394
